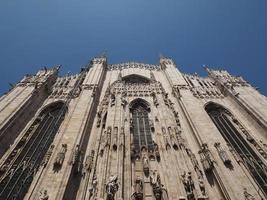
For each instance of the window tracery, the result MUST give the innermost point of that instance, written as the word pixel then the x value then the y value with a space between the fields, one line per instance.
pixel 141 127
pixel 242 149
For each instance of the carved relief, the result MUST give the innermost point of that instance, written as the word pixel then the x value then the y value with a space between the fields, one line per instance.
pixel 93 189
pixel 188 185
pixel 202 87
pixel 222 153
pixel 69 86
pixel 112 99
pixel 249 138
pixel 43 195
pixel 138 190
pixel 156 185
pixel 89 162
pixel 123 99
pixel 60 156
pixel 112 187
pixel 206 158
pixel 133 65
pixel 145 164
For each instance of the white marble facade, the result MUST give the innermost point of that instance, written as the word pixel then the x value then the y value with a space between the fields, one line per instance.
pixel 133 131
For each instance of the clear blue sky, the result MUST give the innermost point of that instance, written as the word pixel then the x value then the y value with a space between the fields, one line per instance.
pixel 230 34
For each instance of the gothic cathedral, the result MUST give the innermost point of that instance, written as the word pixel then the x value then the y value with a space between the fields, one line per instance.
pixel 133 131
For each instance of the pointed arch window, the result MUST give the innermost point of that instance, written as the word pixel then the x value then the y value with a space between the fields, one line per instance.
pixel 140 126
pixel 223 121
pixel 33 148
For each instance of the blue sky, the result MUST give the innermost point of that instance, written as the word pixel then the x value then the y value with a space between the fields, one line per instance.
pixel 230 34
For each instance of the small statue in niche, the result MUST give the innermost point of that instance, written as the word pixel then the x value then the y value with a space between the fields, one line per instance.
pixel 123 99
pixel 167 142
pixel 43 195
pixel 202 186
pixel 145 164
pixel 155 100
pixel 166 95
pixel 151 125
pixel 131 122
pixel 222 153
pixel 156 185
pixel 75 154
pixel 93 190
pixel 112 98
pixel 138 189
pixel 112 187
pixel 188 185
pixel 99 113
pixel 156 150
pixel 108 136
pixel 60 156
pixel 98 122
pixel 206 158
pixel 89 161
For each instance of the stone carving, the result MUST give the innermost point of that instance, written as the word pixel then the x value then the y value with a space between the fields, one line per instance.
pixel 145 164
pixel 202 186
pixel 156 150
pixel 115 138
pixel 222 153
pixel 176 91
pixel 188 185
pixel 112 99
pixel 99 60
pixel 156 185
pixel 155 100
pixel 107 135
pixel 93 189
pixel 206 158
pixel 98 122
pixel 138 190
pixel 249 138
pixel 89 161
pixel 180 139
pixel 142 89
pixel 202 87
pixel 43 195
pixel 198 171
pixel 133 65
pixel 112 187
pixel 247 195
pixel 166 99
pixel 77 159
pixel 166 141
pixel 123 99
pixel 60 156
pixel 151 125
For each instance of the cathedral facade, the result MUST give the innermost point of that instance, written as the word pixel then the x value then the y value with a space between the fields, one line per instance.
pixel 133 131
